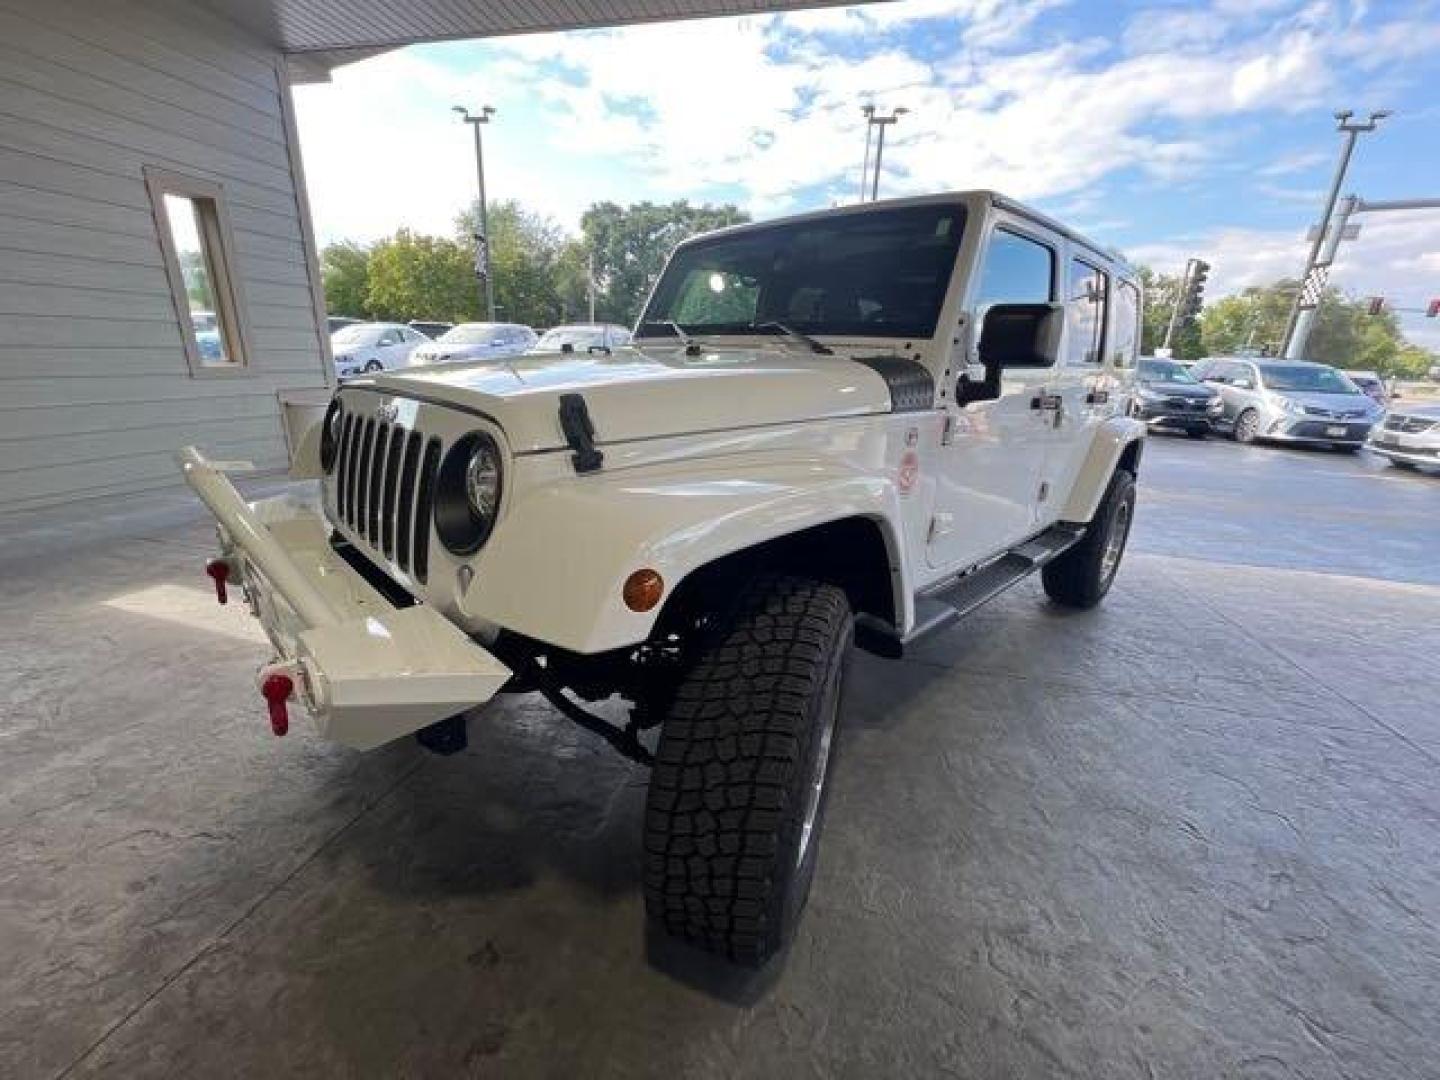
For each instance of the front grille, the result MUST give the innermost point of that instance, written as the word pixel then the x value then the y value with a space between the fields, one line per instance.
pixel 1411 425
pixel 385 480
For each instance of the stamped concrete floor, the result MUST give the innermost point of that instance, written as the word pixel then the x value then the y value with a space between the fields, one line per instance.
pixel 1191 834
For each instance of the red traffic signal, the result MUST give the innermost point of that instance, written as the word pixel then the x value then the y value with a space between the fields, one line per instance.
pixel 1377 305
pixel 1433 310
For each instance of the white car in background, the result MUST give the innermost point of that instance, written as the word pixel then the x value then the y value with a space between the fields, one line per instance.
pixel 476 341
pixel 1409 435
pixel 373 346
pixel 582 337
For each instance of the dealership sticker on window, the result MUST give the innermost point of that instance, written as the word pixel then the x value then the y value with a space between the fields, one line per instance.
pixel 909 471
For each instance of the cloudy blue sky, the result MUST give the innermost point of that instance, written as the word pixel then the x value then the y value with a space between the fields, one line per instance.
pixel 1163 129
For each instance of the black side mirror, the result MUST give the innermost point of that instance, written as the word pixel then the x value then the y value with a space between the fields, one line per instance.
pixel 1013 336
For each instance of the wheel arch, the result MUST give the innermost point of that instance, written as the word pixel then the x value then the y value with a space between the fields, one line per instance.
pixel 857 553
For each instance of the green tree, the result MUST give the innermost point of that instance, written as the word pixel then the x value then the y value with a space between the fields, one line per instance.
pixel 421 277
pixel 345 270
pixel 533 281
pixel 1344 334
pixel 631 243
pixel 1253 319
pixel 1160 293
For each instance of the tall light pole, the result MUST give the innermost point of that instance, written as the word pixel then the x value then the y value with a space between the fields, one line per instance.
pixel 869 112
pixel 1317 265
pixel 877 120
pixel 482 239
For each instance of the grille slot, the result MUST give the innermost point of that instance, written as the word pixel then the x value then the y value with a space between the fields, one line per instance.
pixel 361 491
pixel 392 479
pixel 423 497
pixel 407 499
pixel 342 474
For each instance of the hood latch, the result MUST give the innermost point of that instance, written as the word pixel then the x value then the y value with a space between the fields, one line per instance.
pixel 579 433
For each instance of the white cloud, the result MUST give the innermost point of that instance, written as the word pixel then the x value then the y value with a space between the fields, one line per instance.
pixel 1294 163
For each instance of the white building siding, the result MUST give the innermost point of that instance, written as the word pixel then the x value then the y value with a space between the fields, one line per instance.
pixel 95 391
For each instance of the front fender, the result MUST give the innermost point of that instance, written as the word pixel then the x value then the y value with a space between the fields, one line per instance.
pixel 1111 439
pixel 555 567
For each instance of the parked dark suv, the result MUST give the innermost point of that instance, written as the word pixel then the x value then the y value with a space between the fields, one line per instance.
pixel 1167 396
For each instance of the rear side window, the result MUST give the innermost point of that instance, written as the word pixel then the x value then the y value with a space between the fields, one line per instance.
pixel 1086 300
pixel 1124 325
pixel 1017 270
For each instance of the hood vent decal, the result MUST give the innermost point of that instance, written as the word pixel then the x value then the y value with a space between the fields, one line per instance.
pixel 579 433
pixel 911 386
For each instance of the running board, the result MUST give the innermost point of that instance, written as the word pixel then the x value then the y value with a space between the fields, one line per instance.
pixel 953 601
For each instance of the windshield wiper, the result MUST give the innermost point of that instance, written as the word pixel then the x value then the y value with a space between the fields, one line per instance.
pixel 692 348
pixel 781 328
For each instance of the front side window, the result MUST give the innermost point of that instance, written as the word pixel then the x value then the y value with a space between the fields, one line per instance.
pixel 1017 270
pixel 1085 312
pixel 195 244
pixel 878 273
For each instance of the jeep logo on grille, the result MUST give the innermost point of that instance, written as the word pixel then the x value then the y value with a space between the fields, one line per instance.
pixel 386 412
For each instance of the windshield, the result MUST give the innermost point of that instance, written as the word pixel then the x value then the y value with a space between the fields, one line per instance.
pixel 360 334
pixel 877 274
pixel 1315 380
pixel 578 338
pixel 471 334
pixel 1163 371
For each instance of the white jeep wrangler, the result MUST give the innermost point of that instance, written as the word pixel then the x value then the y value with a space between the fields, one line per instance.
pixel 848 426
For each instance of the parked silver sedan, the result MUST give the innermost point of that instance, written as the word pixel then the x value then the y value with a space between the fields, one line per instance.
pixel 475 341
pixel 1289 401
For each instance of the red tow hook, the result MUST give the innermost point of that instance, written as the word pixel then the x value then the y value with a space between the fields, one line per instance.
pixel 219 571
pixel 276 690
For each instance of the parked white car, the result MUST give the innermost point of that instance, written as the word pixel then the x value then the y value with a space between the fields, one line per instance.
pixel 476 341
pixel 374 346
pixel 853 426
pixel 1409 435
pixel 582 337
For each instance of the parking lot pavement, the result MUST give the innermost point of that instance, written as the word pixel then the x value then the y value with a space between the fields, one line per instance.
pixel 1191 833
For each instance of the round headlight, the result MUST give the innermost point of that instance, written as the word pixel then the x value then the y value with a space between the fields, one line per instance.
pixel 482 479
pixel 467 493
pixel 330 435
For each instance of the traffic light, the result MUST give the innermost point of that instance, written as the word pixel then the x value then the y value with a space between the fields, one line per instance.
pixel 1377 305
pixel 1194 297
pixel 1433 309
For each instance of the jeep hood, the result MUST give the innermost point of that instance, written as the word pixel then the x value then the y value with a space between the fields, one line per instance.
pixel 632 394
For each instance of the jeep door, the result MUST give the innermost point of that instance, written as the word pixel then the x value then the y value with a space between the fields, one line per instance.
pixel 1082 390
pixel 992 451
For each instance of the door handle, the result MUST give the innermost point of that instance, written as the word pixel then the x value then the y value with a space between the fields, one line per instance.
pixel 1046 401
pixel 1097 397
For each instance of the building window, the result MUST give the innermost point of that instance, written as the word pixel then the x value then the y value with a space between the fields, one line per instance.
pixel 196 243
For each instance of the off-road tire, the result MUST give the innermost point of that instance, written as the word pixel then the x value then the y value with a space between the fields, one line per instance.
pixel 1197 433
pixel 1247 427
pixel 749 730
pixel 1080 577
pixel 374 365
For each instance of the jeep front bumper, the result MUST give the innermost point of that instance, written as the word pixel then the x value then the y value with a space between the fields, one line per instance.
pixel 366 670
